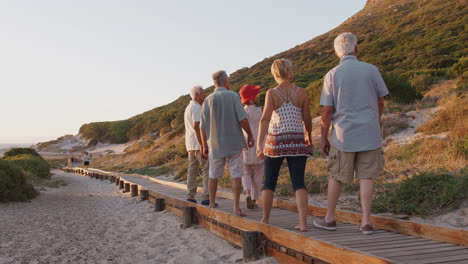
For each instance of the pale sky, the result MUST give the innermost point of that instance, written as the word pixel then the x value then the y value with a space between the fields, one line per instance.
pixel 64 63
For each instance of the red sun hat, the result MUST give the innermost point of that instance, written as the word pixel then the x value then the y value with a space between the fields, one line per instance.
pixel 248 93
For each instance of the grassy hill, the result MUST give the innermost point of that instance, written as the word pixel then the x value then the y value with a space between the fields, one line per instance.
pixel 414 43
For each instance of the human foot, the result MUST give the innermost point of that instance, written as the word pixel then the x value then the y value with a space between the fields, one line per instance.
pixel 238 212
pixel 302 229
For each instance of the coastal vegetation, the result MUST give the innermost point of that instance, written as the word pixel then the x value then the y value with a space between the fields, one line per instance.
pixel 19 168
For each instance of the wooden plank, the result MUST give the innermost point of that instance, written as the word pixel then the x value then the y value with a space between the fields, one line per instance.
pixel 174 210
pixel 372 240
pixel 419 251
pixel 443 234
pixel 455 252
pixel 382 241
pixel 397 244
pixel 440 259
pixel 305 245
pixel 282 257
pixel 400 250
pixel 221 232
pixel 376 236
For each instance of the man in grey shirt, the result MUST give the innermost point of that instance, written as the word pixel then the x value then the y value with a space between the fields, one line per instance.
pixel 222 120
pixel 352 99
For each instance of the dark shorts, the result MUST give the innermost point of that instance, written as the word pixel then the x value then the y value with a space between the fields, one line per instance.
pixel 296 167
pixel 86 163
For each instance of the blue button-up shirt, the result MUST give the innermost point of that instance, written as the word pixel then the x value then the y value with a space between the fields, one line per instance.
pixel 221 113
pixel 352 88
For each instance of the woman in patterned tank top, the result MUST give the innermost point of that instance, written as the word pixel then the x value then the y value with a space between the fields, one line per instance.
pixel 287 125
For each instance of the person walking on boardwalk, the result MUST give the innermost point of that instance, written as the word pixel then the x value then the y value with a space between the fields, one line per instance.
pixel 86 160
pixel 193 143
pixel 222 121
pixel 253 166
pixel 287 121
pixel 353 102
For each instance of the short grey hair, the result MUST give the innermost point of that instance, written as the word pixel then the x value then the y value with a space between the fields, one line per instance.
pixel 345 44
pixel 219 78
pixel 195 90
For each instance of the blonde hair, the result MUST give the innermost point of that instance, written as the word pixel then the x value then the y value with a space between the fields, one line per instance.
pixel 345 44
pixel 282 70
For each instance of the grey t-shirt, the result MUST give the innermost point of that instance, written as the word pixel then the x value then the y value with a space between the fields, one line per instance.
pixel 221 113
pixel 352 88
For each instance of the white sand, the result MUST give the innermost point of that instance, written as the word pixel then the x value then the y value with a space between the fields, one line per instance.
pixel 91 221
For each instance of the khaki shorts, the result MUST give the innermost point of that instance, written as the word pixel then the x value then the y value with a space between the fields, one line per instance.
pixel 343 166
pixel 235 165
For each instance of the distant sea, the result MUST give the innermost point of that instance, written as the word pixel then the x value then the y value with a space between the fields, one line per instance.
pixel 5 147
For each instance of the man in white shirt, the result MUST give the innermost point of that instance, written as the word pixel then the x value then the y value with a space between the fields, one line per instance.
pixel 193 142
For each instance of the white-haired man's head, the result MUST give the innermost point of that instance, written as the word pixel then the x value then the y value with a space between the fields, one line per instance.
pixel 345 44
pixel 195 91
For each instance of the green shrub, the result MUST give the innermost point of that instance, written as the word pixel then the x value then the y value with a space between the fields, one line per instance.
pixel 32 166
pixel 13 185
pixel 18 151
pixel 424 194
pixel 401 89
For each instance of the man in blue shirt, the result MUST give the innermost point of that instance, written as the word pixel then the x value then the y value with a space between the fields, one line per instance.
pixel 222 120
pixel 353 101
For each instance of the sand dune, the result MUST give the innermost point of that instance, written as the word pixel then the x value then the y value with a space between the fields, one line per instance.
pixel 90 221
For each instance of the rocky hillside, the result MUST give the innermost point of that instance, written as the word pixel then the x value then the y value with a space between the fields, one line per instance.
pixel 415 43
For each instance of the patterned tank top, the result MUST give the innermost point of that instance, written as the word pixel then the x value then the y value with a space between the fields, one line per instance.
pixel 286 131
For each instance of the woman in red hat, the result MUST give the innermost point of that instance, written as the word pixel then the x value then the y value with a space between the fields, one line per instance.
pixel 253 166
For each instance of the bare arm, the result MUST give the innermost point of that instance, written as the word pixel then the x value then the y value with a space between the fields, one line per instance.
pixel 196 127
pixel 204 144
pixel 246 126
pixel 306 117
pixel 381 103
pixel 264 122
pixel 327 113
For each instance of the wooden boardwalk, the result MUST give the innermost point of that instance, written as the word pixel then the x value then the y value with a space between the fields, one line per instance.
pixel 396 241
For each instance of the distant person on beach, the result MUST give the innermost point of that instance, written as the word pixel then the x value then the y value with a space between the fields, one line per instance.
pixel 222 121
pixel 287 124
pixel 353 102
pixel 86 160
pixel 193 144
pixel 70 162
pixel 253 166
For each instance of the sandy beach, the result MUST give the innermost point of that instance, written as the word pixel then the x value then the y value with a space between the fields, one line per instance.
pixel 91 221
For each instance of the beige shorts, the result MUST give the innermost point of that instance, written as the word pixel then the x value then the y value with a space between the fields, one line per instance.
pixel 344 166
pixel 235 165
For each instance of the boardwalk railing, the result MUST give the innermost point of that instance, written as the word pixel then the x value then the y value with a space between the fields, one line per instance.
pixel 287 246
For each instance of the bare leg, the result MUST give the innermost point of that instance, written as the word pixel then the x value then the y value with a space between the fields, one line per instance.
pixel 267 202
pixel 367 192
pixel 236 189
pixel 302 206
pixel 212 186
pixel 334 188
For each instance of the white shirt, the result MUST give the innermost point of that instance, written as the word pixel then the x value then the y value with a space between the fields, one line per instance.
pixel 352 88
pixel 254 114
pixel 192 114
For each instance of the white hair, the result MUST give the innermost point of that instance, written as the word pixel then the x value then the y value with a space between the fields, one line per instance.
pixel 345 44
pixel 219 78
pixel 195 90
